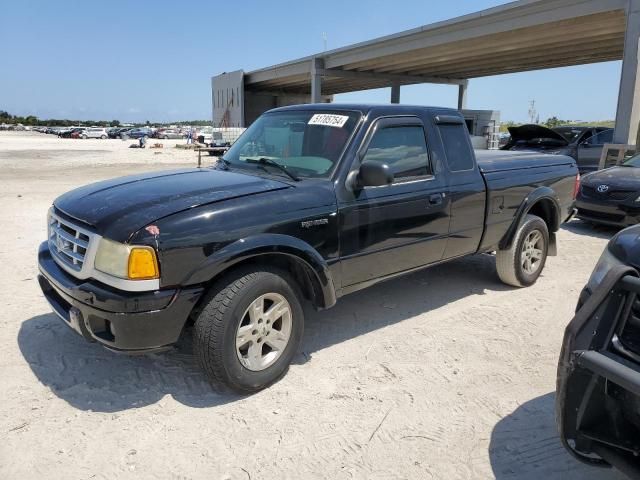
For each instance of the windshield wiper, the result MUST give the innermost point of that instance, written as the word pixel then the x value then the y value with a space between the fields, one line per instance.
pixel 225 163
pixel 267 161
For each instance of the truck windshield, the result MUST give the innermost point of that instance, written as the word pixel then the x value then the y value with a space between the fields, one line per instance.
pixel 306 143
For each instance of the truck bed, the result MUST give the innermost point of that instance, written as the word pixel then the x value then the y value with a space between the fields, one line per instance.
pixel 490 161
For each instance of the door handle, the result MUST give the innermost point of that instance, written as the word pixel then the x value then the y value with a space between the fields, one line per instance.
pixel 435 199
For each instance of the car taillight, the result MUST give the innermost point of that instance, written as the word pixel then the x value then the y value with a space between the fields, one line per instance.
pixel 576 186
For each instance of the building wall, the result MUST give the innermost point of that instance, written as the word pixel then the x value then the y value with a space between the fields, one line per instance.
pixel 227 99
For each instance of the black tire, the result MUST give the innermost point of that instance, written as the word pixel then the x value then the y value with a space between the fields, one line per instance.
pixel 103 137
pixel 217 324
pixel 509 262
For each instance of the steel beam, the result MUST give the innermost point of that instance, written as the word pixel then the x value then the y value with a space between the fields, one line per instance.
pixel 462 96
pixel 395 93
pixel 317 67
pixel 628 112
pixel 391 77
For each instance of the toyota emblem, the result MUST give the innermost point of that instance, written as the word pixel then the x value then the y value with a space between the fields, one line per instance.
pixel 603 188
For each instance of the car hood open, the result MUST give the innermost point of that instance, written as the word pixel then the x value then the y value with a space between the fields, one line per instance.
pixel 119 207
pixel 529 132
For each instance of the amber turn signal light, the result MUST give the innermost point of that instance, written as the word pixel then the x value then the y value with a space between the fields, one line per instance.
pixel 143 264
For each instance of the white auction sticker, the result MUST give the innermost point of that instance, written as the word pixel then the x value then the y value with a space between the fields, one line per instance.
pixel 329 120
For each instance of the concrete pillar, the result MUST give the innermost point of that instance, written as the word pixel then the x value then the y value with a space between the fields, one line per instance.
pixel 317 65
pixel 395 93
pixel 628 113
pixel 462 95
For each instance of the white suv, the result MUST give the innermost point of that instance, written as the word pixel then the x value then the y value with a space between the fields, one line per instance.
pixel 94 133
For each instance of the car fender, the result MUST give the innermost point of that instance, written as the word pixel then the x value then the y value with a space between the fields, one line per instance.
pixel 271 244
pixel 540 193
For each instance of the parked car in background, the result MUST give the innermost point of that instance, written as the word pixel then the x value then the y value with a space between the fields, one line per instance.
pixel 168 133
pixel 584 144
pixel 72 132
pixel 598 381
pixel 94 132
pixel 311 203
pixel 611 196
pixel 117 132
pixel 139 132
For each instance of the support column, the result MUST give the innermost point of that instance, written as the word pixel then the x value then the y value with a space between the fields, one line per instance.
pixel 395 93
pixel 628 113
pixel 462 95
pixel 317 66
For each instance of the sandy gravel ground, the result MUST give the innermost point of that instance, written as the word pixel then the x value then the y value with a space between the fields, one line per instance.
pixel 444 374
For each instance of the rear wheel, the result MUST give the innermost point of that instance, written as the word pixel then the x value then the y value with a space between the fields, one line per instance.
pixel 103 137
pixel 249 329
pixel 522 264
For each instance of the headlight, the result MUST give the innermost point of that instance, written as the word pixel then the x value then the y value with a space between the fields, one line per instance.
pixel 637 199
pixel 607 262
pixel 126 261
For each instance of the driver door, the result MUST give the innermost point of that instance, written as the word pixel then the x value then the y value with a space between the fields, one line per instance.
pixel 393 228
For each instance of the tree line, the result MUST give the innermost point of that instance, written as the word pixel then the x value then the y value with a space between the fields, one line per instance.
pixel 32 121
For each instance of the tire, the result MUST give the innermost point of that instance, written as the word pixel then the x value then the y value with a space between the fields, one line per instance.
pixel 103 137
pixel 218 342
pixel 84 137
pixel 512 265
pixel 165 137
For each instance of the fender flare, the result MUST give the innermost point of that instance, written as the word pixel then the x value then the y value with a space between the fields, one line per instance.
pixel 270 244
pixel 540 193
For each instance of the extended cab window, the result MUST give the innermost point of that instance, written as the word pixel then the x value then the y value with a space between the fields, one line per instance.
pixel 403 148
pixel 455 139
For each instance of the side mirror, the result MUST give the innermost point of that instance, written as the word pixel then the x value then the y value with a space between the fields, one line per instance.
pixel 372 174
pixel 585 144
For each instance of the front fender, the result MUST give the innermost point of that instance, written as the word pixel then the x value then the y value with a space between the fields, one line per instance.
pixel 540 193
pixel 269 244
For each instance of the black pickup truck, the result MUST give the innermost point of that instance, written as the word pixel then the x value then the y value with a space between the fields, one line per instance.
pixel 311 203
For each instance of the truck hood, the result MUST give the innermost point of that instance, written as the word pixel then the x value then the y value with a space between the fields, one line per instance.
pixel 616 178
pixel 119 207
pixel 529 132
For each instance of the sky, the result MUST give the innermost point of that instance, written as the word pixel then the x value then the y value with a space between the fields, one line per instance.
pixel 153 60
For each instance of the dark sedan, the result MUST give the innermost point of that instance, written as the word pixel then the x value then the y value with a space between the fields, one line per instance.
pixel 611 196
pixel 584 144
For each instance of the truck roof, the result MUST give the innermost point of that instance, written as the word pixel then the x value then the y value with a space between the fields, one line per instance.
pixel 365 108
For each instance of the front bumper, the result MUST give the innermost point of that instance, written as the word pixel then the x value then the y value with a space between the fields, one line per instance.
pixel 598 382
pixel 124 321
pixel 618 214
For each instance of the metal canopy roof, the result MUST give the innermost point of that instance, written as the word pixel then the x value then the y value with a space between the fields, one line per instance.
pixel 520 36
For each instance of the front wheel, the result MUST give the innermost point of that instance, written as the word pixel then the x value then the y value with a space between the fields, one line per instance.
pixel 84 137
pixel 249 329
pixel 522 264
pixel 103 137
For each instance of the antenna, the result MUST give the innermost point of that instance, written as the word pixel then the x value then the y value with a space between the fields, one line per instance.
pixel 324 40
pixel 533 114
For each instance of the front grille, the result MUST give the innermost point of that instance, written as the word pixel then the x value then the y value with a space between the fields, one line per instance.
pixel 629 336
pixel 615 195
pixel 67 243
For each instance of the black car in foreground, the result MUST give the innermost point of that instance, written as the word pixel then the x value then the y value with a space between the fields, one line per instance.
pixel 598 383
pixel 311 203
pixel 611 196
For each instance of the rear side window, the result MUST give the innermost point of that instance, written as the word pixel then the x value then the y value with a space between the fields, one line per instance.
pixel 403 148
pixel 456 147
